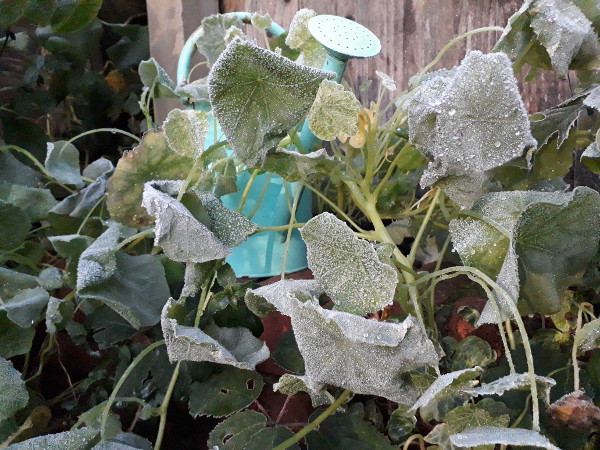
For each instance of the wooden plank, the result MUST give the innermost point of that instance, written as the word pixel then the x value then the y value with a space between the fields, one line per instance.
pixel 412 32
pixel 170 23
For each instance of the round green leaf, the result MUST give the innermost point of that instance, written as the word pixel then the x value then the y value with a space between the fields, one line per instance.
pixel 74 15
pixel 13 394
pixel 14 226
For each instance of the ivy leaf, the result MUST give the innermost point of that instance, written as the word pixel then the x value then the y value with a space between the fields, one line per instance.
pixel 212 39
pixel 35 202
pixel 489 435
pixel 25 308
pixel 514 381
pixel 258 95
pixel 79 439
pixel 355 353
pixel 346 431
pixel 135 287
pixel 225 392
pixel 401 424
pixel 232 346
pixel 547 251
pixel 470 352
pixel 453 381
pixel 182 236
pixel 74 15
pixel 293 166
pixel 62 162
pixel 151 160
pixel 155 77
pixel 588 337
pixel 186 131
pixel 13 393
pixel 14 340
pixel 485 413
pixel 14 226
pixel 334 112
pixel 347 267
pixel 469 122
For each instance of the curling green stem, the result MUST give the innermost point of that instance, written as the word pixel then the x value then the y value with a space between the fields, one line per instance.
pixel 423 227
pixel 135 238
pixel 315 423
pixel 89 214
pixel 288 237
pixel 247 190
pixel 105 130
pixel 165 406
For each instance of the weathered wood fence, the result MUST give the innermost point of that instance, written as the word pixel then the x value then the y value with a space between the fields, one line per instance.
pixel 411 32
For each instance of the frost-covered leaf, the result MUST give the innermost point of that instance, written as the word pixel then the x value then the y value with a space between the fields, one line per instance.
pixel 151 160
pixel 352 352
pixel 79 439
pixel 211 41
pixel 514 381
pixel 124 441
pixel 14 226
pixel 13 393
pixel 71 247
pixel 387 81
pixel 505 436
pixel 591 155
pixel 196 92
pixel 50 278
pixel 225 392
pixel 273 296
pixel 487 412
pixel 133 286
pixel 533 246
pixel 293 166
pixel 261 21
pixel 26 307
pixel 470 352
pixel 588 337
pixel 347 267
pixel 440 437
pixel 334 112
pixel 81 203
pixel 155 77
pixel 287 354
pixel 400 424
pixel 13 171
pixel 469 123
pixel 53 314
pixel 186 131
pixel 62 162
pixel 232 346
pixel 35 202
pixel 346 431
pixel 14 340
pixel 289 384
pixel 592 100
pixel 98 168
pixel 257 96
pixel 182 236
pixel 452 381
pixel 300 38
pixel 574 410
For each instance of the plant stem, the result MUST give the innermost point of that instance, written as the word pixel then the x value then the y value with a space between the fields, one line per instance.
pixel 165 406
pixel 280 228
pixel 105 130
pixel 121 381
pixel 247 190
pixel 417 241
pixel 89 214
pixel 315 423
pixel 574 350
pixel 135 238
pixel 188 179
pixel 335 208
pixel 288 236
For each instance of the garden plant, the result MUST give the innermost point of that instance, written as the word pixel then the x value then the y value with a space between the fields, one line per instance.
pixel 454 288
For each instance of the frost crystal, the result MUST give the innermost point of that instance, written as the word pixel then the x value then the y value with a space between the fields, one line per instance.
pixel 347 267
pixel 334 112
pixel 257 96
pixel 469 122
pixel 186 132
pixel 232 346
pixel 505 436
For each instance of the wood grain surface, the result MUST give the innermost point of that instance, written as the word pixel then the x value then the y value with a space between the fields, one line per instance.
pixel 412 32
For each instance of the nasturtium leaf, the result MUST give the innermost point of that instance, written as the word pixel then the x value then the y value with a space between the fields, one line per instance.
pixel 548 251
pixel 273 296
pixel 261 21
pixel 151 160
pixel 588 337
pixel 74 15
pixel 489 435
pixel 347 267
pixel 231 346
pixel 514 381
pixel 450 382
pixel 62 162
pixel 468 123
pixel 35 202
pixel 334 112
pixel 289 384
pixel 155 77
pixel 26 307
pixel 293 166
pixel 185 238
pixel 299 38
pixel 235 432
pixel 348 432
pixel 487 412
pixel 186 131
pixel 225 392
pixel 13 171
pixel 79 439
pixel 14 340
pixel 15 224
pixel 258 96
pixel 133 286
pixel 211 41
pixel 71 247
pixel 352 352
pixel 13 393
pixel 470 352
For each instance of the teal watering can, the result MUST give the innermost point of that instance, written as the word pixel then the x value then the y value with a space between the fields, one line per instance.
pixel 269 197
